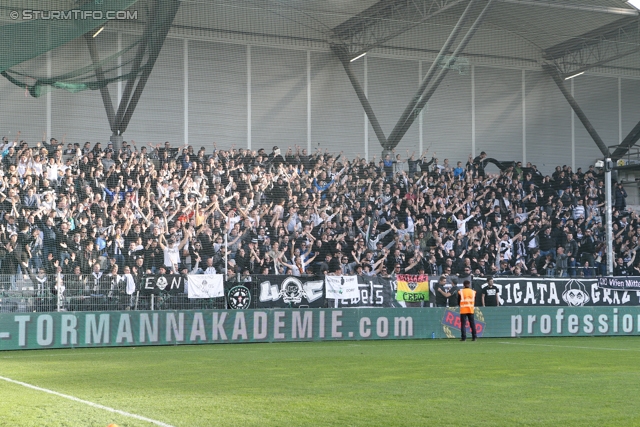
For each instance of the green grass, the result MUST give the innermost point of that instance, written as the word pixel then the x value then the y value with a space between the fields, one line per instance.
pixel 492 382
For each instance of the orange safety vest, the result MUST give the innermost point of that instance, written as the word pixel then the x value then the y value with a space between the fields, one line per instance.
pixel 467 299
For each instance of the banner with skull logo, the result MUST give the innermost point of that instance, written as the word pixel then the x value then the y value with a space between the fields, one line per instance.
pixel 162 284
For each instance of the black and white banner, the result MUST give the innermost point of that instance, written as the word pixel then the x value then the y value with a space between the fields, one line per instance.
pixel 341 287
pixel 534 291
pixel 205 286
pixel 373 292
pixel 289 291
pixel 159 283
pixel 630 283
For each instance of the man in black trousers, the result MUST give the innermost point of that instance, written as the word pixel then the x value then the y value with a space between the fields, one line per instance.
pixel 466 300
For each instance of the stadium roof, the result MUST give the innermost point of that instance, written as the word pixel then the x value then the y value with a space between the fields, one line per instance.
pixel 564 38
pixel 602 36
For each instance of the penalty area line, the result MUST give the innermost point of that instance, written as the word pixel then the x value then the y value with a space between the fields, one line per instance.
pixel 86 402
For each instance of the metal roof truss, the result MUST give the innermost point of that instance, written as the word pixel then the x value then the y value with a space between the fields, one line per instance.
pixel 596 48
pixel 384 21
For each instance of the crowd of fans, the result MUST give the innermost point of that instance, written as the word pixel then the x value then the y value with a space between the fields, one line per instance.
pixel 91 210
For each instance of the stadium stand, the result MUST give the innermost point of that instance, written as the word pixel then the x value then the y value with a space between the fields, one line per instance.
pixel 79 211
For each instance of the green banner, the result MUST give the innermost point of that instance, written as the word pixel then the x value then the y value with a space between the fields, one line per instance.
pixel 111 329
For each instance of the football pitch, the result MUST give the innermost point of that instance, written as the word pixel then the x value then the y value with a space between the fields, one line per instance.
pixel 491 382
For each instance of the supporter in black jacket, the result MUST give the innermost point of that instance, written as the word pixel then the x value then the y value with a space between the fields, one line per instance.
pixel 547 243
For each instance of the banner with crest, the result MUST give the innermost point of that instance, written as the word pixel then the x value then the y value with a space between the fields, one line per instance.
pixel 572 292
pixel 412 287
pixel 629 283
pixel 276 291
pixel 205 286
pixel 157 284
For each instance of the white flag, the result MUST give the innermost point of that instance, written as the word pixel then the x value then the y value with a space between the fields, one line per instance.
pixel 205 285
pixel 342 287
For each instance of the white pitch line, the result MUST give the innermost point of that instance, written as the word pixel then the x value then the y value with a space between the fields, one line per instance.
pixel 571 346
pixel 86 402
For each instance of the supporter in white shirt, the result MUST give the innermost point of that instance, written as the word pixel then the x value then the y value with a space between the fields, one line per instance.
pixel 52 171
pixel 462 223
pixel 163 189
pixel 171 250
pixel 36 165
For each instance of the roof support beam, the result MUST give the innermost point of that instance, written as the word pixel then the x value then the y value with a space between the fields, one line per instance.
pixel 393 137
pixel 104 90
pixel 135 69
pixel 421 98
pixel 160 17
pixel 366 105
pixel 576 109
pixel 628 142
pixel 401 128
pixel 155 46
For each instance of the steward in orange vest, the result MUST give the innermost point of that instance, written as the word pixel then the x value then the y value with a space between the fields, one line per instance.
pixel 466 300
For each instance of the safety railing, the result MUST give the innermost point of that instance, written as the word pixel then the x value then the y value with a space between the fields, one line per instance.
pixel 46 293
pixel 83 293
